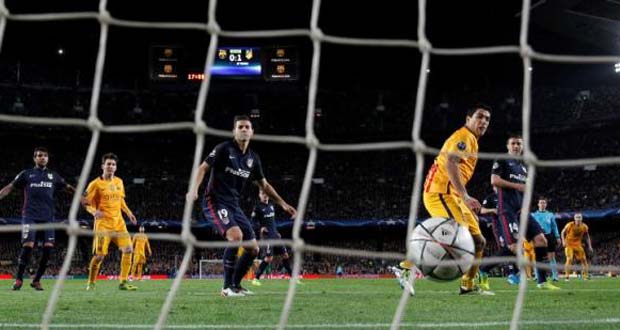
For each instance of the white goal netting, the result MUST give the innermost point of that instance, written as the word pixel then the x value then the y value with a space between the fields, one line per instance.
pixel 200 128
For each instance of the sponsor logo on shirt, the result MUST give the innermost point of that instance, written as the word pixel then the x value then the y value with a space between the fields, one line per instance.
pixel 41 184
pixel 240 172
pixel 518 177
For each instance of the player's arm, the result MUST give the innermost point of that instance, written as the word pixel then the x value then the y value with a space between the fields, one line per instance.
pixel 6 190
pixel 89 201
pixel 554 228
pixel 19 181
pixel 148 247
pixel 70 189
pixel 485 211
pixel 452 167
pixel 273 194
pixel 563 236
pixel 499 170
pixel 257 221
pixel 203 168
pixel 128 212
pixel 497 181
pixel 589 242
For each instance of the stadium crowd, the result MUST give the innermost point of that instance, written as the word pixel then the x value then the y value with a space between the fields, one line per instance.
pixel 567 122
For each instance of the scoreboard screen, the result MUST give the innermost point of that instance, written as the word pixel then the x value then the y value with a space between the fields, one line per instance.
pixel 242 62
pixel 267 63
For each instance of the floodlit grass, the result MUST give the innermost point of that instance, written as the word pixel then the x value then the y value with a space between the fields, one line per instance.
pixel 318 304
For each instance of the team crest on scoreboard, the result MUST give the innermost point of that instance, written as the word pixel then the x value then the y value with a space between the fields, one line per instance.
pixel 222 54
pixel 250 162
pixel 249 54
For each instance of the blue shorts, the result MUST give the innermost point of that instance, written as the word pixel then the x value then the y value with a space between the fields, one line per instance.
pixel 30 234
pixel 506 228
pixel 225 215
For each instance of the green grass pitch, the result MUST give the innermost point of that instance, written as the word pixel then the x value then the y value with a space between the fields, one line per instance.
pixel 318 304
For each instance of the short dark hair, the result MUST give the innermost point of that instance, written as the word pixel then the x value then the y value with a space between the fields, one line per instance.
pixel 107 156
pixel 542 198
pixel 472 110
pixel 240 118
pixel 514 136
pixel 39 149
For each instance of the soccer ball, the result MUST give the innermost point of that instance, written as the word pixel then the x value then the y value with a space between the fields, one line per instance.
pixel 440 240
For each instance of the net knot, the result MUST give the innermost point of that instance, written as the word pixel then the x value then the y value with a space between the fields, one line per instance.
pixel 317 34
pixel 424 45
pixel 419 146
pixel 213 28
pixel 312 142
pixel 529 157
pixel 4 12
pixel 95 124
pixel 298 245
pixel 73 229
pixel 526 51
pixel 105 17
pixel 201 128
pixel 188 238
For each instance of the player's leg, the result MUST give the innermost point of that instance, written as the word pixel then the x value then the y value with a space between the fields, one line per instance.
pixel 48 247
pixel 101 242
pixel 140 267
pixel 134 265
pixel 282 252
pixel 529 268
pixel 221 217
pixel 569 252
pixel 140 270
pixel 267 259
pixel 451 206
pixel 45 256
pixel 28 238
pixel 233 234
pixel 466 218
pixel 506 243
pixel 535 234
pixel 509 221
pixel 250 252
pixel 552 245
pixel 580 254
pixel 22 262
pixel 123 241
